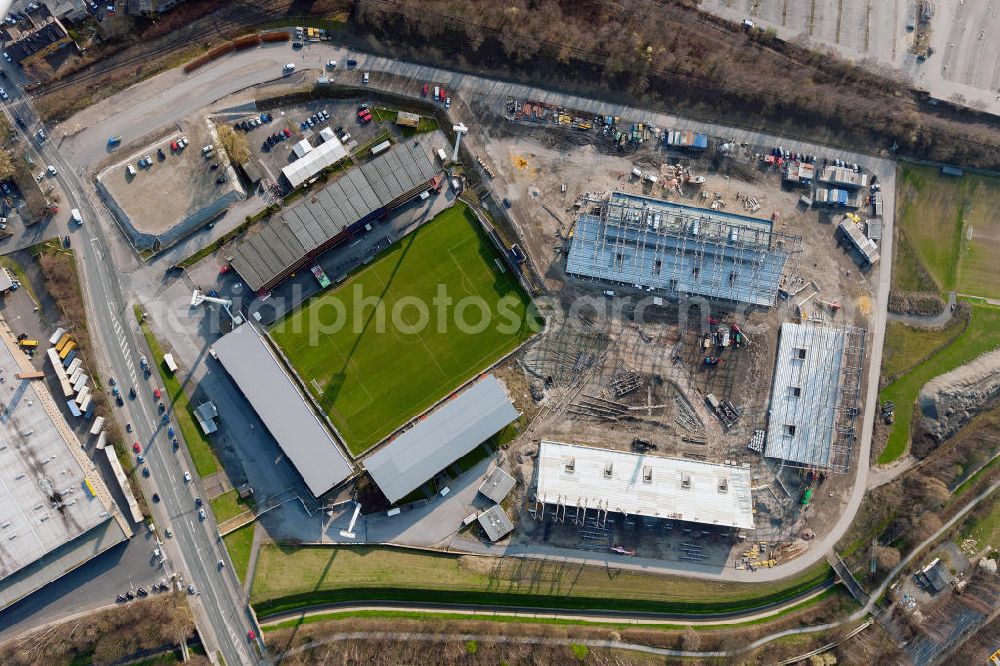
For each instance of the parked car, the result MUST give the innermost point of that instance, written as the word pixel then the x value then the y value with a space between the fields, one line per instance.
pixel 331 64
pixel 366 77
pixel 201 514
pixel 187 477
pixel 289 68
pixel 423 91
pixel 52 171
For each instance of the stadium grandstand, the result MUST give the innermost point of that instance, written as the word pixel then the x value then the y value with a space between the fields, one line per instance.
pixel 674 250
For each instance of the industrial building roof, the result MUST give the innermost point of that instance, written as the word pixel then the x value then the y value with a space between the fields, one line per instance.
pixel 497 485
pixel 291 420
pixel 313 160
pixel 842 176
pixel 495 522
pixel 677 250
pixel 806 394
pixel 50 492
pixel 635 484
pixel 356 195
pixel 866 246
pixel 445 435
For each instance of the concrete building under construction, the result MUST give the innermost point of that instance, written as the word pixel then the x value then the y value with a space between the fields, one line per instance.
pixel 582 483
pixel 674 250
pixel 815 396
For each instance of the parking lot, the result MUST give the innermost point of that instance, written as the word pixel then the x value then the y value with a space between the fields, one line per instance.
pixel 341 114
pixel 178 182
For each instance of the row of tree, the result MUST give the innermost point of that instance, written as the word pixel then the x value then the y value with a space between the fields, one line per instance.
pixel 670 55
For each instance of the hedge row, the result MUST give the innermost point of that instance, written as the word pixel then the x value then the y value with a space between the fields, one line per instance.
pixel 238 44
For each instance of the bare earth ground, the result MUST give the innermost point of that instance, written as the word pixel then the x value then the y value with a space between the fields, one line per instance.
pixel 160 196
pixel 531 165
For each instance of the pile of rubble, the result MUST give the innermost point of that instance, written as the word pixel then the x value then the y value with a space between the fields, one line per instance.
pixel 950 401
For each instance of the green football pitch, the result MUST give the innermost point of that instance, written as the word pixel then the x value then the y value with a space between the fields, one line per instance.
pixel 385 345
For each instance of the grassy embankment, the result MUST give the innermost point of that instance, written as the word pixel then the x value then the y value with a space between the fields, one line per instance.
pixel 202 454
pixel 288 578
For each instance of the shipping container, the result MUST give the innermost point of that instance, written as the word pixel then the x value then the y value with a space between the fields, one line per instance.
pixel 57 336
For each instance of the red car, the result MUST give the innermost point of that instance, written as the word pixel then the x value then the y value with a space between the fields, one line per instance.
pixel 156 393
pixel 288 132
pixel 173 146
pixel 424 91
pixel 136 447
pixel 443 94
pixel 251 635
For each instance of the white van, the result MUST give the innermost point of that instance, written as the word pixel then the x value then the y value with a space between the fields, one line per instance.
pixel 130 170
pixel 75 214
pixel 289 68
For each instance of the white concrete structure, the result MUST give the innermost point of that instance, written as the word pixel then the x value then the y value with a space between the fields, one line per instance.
pixel 572 476
pixel 460 129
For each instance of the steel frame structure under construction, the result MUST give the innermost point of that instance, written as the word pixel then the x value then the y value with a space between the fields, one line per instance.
pixel 815 396
pixel 676 250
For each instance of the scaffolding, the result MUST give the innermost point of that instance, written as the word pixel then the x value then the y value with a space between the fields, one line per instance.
pixel 678 250
pixel 815 396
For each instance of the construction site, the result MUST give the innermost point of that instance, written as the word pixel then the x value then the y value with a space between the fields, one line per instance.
pixel 706 342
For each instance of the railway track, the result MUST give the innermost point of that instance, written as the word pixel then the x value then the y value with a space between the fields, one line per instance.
pixel 248 14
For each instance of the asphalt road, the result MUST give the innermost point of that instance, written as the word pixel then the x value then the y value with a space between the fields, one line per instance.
pixel 222 616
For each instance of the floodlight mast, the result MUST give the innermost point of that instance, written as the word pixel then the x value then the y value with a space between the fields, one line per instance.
pixel 197 298
pixel 459 129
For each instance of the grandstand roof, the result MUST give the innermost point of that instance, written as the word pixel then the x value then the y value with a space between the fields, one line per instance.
pixel 634 484
pixel 279 403
pixel 445 435
pixel 273 252
pixel 679 250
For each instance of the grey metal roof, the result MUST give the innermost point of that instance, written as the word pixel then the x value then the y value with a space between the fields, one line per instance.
pixel 289 417
pixel 679 250
pixel 495 522
pixel 45 502
pixel 448 433
pixel 282 244
pixel 497 485
pixel 805 394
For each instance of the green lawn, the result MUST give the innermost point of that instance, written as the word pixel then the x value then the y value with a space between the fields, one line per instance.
pixel 982 335
pixel 905 346
pixel 949 229
pixel 229 505
pixel 239 544
pixel 288 578
pixel 205 462
pixel 391 349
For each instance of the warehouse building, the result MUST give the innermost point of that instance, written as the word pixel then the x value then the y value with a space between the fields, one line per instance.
pixel 56 513
pixel 336 213
pixel 815 396
pixel 579 482
pixel 288 415
pixel 453 429
pixel 675 250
